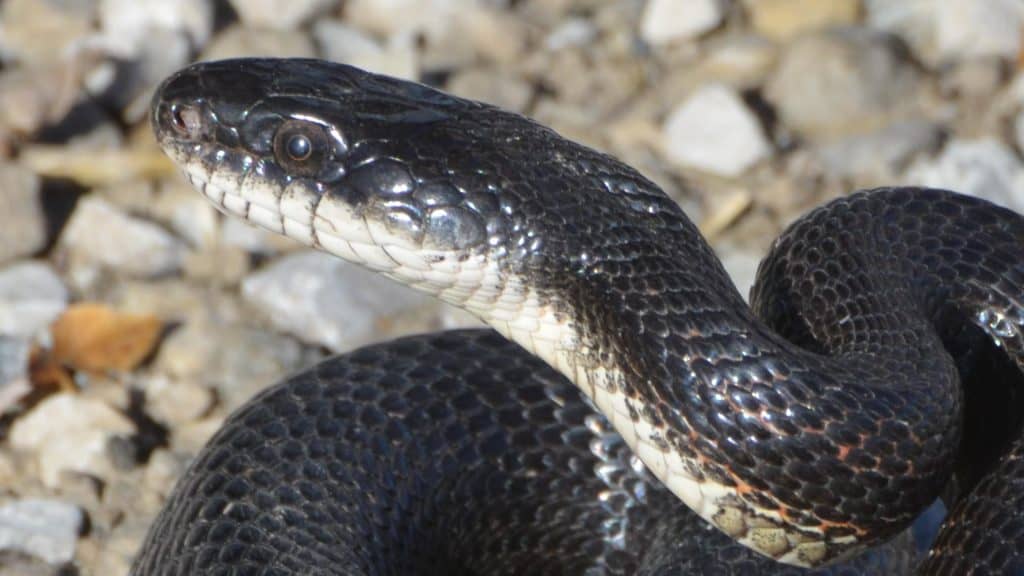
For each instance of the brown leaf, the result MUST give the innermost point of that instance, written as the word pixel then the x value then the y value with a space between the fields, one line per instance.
pixel 96 338
pixel 46 374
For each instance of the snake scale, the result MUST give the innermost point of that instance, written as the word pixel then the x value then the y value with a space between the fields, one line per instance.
pixel 627 399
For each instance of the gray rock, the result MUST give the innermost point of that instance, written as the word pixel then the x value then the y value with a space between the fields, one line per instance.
pixel 279 14
pixel 665 21
pixel 986 168
pixel 31 297
pixel 325 301
pixel 99 234
pixel 881 156
pixel 843 81
pixel 714 131
pixel 22 221
pixel 14 376
pixel 70 432
pixel 46 529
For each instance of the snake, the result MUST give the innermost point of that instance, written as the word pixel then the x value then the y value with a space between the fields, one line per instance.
pixel 625 411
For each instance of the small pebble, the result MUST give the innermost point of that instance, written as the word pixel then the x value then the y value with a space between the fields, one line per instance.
pixel 46 529
pixel 128 244
pixel 323 300
pixel 23 228
pixel 985 168
pixel 784 19
pixel 237 41
pixel 31 297
pixel 879 157
pixel 14 376
pixel 69 432
pixel 714 131
pixel 859 79
pixel 279 14
pixel 236 361
pixel 665 21
pixel 176 402
pixel 62 23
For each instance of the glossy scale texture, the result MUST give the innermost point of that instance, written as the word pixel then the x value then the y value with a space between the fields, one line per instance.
pixel 836 412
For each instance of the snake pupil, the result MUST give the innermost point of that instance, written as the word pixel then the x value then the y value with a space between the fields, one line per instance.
pixel 299 147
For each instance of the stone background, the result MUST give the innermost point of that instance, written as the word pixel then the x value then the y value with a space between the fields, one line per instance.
pixel 749 112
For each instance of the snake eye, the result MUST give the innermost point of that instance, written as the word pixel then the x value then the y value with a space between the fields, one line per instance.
pixel 300 147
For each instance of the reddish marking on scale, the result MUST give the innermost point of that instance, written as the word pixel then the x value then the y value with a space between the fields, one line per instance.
pixel 844 451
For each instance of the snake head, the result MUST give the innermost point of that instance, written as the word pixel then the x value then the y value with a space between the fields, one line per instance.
pixel 386 173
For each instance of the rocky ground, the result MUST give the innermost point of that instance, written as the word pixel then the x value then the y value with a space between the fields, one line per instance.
pixel 133 318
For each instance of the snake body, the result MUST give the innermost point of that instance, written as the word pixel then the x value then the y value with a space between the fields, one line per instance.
pixel 807 427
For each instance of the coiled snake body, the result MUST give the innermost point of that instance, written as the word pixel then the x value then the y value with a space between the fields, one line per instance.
pixel 815 426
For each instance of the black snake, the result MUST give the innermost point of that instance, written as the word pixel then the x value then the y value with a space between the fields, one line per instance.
pixel 809 426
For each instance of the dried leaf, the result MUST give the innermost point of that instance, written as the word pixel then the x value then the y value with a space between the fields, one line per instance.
pixel 96 338
pixel 47 375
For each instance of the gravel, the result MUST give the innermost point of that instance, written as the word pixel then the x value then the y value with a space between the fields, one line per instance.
pixel 46 529
pixel 714 130
pixel 748 112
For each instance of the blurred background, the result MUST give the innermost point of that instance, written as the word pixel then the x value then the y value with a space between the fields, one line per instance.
pixel 133 318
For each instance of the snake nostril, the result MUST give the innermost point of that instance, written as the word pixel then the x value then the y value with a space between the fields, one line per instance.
pixel 186 120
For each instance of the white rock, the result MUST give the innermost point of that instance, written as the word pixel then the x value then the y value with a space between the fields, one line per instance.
pixel 176 402
pixel 664 21
pixel 713 130
pixel 572 33
pixel 325 301
pixel 31 297
pixel 984 168
pixel 342 43
pixel 98 233
pixel 279 14
pixel 979 27
pixel 940 30
pixel 127 25
pixel 69 432
pixel 46 529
